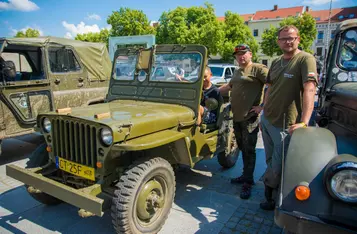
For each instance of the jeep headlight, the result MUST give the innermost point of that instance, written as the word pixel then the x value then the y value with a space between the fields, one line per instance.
pixel 106 136
pixel 344 185
pixel 341 180
pixel 46 125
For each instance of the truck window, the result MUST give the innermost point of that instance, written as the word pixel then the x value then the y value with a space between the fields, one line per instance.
pixel 62 60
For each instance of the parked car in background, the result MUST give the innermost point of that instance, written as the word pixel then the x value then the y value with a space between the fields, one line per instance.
pixel 222 73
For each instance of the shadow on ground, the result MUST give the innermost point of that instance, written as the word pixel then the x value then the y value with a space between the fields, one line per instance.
pixel 205 202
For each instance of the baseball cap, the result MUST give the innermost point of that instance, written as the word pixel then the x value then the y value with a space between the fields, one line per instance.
pixel 241 48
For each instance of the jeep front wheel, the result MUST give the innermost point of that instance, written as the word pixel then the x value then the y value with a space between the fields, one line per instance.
pixel 143 197
pixel 229 156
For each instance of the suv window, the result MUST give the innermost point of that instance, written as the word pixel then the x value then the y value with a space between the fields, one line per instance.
pixel 20 61
pixel 62 60
pixel 228 72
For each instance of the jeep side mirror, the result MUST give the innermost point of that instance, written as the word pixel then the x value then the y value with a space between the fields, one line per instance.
pixel 145 60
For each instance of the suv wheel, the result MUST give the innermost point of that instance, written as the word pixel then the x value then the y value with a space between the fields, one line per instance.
pixel 143 197
pixel 228 157
pixel 39 158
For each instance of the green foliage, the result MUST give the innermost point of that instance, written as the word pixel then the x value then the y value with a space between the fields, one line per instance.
pixel 199 25
pixel 236 32
pixel 307 28
pixel 28 33
pixel 193 25
pixel 128 22
pixel 102 36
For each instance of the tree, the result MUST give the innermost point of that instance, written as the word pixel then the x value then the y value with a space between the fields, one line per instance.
pixel 128 22
pixel 193 25
pixel 102 36
pixel 307 28
pixel 28 33
pixel 236 32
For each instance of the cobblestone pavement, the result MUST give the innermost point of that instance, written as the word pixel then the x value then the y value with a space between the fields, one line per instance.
pixel 205 202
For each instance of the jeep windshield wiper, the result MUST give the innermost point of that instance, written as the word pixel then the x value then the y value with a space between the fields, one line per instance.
pixel 350 48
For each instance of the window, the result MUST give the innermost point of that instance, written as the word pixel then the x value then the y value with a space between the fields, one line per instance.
pixel 317 18
pixel 62 60
pixel 351 16
pixel 320 35
pixel 265 62
pixel 319 51
pixel 228 73
pixel 340 17
pixel 333 34
pixel 255 32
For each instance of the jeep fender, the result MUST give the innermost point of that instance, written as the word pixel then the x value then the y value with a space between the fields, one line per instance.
pixel 168 144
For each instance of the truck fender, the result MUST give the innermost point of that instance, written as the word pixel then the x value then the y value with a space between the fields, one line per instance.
pixel 310 150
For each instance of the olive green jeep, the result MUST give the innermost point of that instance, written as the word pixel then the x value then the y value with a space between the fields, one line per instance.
pixel 122 152
pixel 43 74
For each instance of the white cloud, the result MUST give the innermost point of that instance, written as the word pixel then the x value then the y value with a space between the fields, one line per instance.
pixel 81 28
pixel 94 17
pixel 317 2
pixel 19 5
pixel 68 35
pixel 14 31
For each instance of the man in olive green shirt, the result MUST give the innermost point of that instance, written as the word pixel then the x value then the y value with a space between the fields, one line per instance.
pixel 246 96
pixel 288 105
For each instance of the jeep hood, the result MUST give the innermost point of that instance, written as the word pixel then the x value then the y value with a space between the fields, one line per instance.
pixel 144 117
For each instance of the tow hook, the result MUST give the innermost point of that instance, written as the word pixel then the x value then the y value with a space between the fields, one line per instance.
pixel 85 214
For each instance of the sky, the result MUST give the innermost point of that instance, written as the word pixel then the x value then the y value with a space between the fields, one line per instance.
pixel 66 18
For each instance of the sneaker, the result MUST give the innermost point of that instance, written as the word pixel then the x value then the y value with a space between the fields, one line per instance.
pixel 246 191
pixel 238 180
pixel 268 205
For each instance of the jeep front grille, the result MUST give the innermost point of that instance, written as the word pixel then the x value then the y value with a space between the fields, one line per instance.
pixel 74 141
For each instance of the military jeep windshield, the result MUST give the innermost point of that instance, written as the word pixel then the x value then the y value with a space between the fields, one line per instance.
pixel 348 53
pixel 166 68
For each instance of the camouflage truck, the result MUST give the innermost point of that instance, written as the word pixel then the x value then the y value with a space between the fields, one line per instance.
pixel 121 153
pixel 318 191
pixel 43 74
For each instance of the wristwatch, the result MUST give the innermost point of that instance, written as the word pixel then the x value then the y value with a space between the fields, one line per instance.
pixel 261 105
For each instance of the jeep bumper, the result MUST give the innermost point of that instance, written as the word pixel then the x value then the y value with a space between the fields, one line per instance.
pixel 297 222
pixel 78 197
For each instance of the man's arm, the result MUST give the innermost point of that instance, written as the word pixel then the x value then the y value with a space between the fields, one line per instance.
pixel 224 88
pixel 308 101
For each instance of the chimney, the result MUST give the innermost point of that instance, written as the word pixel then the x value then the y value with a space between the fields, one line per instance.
pixel 275 7
pixel 307 8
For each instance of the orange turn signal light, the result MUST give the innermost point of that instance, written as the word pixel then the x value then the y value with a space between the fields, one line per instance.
pixel 302 192
pixel 99 165
pixel 49 149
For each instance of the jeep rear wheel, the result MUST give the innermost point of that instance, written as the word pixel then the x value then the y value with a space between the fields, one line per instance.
pixel 143 197
pixel 39 158
pixel 228 157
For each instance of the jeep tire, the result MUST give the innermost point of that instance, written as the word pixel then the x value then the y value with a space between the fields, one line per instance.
pixel 229 156
pixel 143 197
pixel 39 158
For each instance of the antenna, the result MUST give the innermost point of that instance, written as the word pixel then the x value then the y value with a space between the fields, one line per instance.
pixel 282 166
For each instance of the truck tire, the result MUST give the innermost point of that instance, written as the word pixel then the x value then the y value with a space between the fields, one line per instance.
pixel 39 158
pixel 143 197
pixel 229 156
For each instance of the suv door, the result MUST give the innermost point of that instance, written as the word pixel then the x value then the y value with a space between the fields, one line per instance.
pixel 67 76
pixel 24 94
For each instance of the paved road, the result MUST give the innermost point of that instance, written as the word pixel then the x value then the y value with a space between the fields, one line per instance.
pixel 205 201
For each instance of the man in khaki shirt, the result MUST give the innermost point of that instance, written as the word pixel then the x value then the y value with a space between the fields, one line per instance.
pixel 246 97
pixel 288 105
